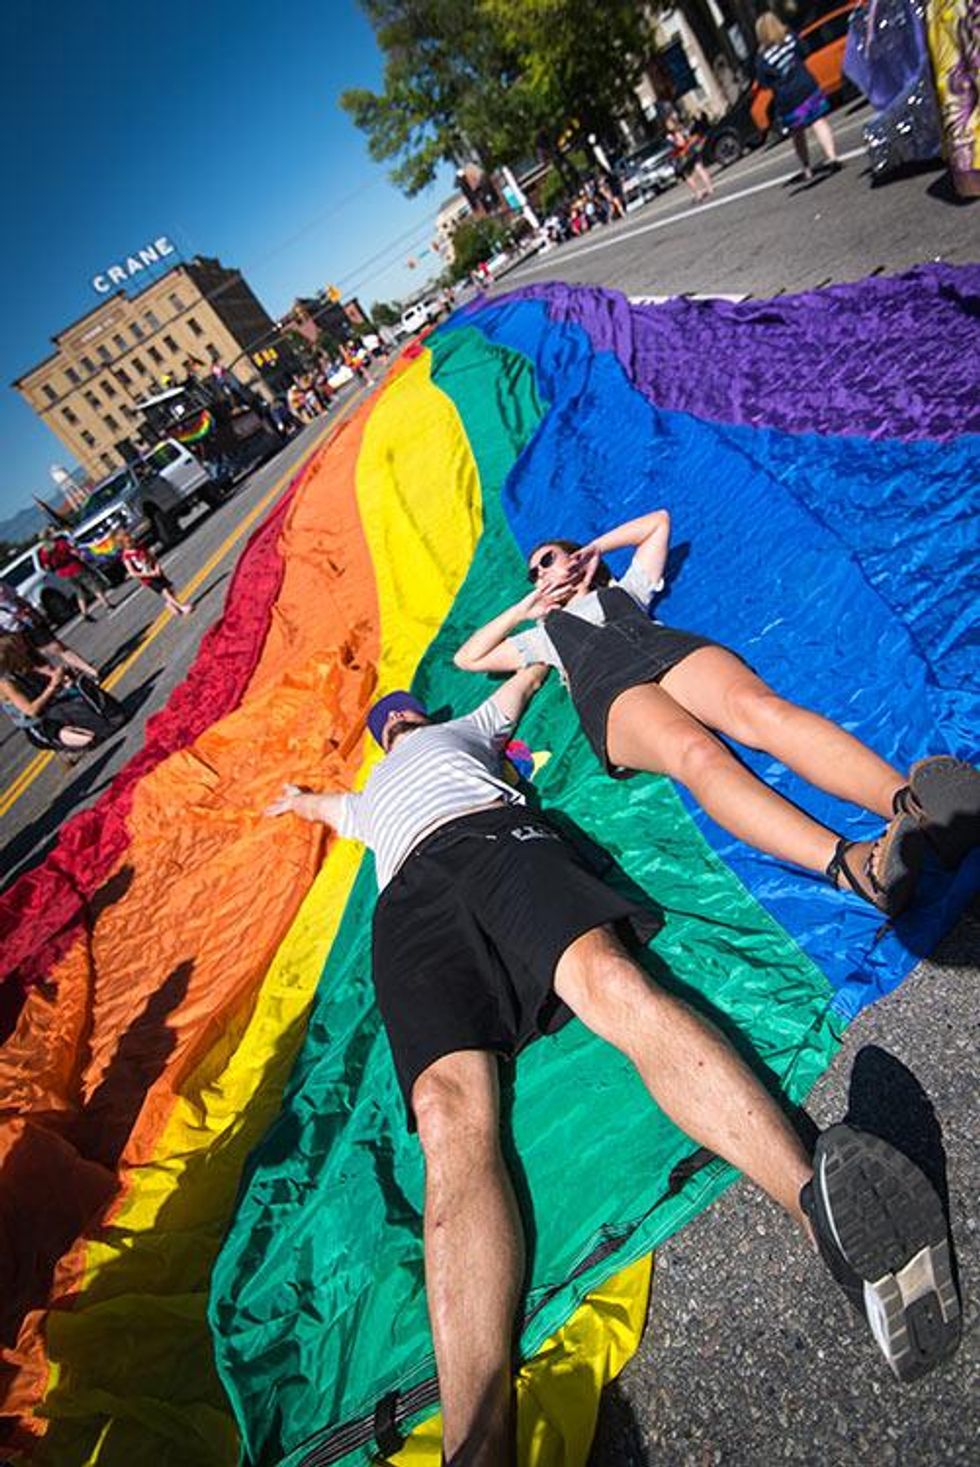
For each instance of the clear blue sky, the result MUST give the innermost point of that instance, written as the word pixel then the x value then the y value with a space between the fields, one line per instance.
pixel 215 124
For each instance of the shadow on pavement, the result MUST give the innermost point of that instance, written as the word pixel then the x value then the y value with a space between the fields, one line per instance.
pixel 36 839
pixel 618 1440
pixel 942 189
pixel 886 1099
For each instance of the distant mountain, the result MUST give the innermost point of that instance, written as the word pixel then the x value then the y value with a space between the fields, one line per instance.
pixel 23 527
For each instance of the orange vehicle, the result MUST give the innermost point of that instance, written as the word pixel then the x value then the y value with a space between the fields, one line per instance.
pixel 823 42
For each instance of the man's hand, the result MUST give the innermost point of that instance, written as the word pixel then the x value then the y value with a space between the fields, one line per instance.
pixel 285 802
pixel 320 809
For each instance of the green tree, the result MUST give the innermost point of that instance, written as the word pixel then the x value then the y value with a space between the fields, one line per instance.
pixel 475 240
pixel 494 79
pixel 385 313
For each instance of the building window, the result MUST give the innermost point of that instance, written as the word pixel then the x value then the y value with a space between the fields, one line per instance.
pixel 87 438
pixel 213 352
pixel 127 413
pixel 156 356
pixel 170 344
pixel 122 376
pixel 121 343
pixel 108 461
pixel 152 320
pixel 49 392
pixel 88 364
pixel 176 301
pixel 91 399
pixel 196 327
pixel 137 331
pixel 105 353
pixel 111 423
pixel 108 388
pixel 137 366
pixel 69 416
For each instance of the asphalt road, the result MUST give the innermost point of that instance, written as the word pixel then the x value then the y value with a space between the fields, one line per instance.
pixel 750 1355
pixel 764 234
pixel 143 653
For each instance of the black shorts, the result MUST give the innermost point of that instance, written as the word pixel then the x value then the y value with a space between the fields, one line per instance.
pixel 156 583
pixel 468 934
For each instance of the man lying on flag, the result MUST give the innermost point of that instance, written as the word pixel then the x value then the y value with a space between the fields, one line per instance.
pixel 490 931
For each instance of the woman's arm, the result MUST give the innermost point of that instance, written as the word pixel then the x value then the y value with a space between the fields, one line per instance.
pixel 488 650
pixel 32 707
pixel 650 533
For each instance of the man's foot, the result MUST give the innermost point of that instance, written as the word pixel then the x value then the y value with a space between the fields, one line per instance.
pixel 881 1230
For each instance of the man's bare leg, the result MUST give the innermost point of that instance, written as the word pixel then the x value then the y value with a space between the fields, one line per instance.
pixel 474 1256
pixel 692 1072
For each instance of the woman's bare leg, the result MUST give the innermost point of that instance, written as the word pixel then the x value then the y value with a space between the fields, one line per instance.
pixel 649 730
pixel 825 137
pixel 723 693
pixel 802 149
pixel 702 173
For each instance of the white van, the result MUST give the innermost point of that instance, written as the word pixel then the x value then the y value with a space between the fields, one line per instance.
pixel 415 317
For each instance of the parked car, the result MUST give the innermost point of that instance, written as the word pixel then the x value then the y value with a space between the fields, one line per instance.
pixel 415 317
pixel 646 172
pixel 732 135
pixel 823 42
pixel 42 588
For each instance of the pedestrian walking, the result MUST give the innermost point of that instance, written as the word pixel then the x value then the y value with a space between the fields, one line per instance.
pixel 142 565
pixel 799 102
pixel 686 149
pixel 654 698
pixel 18 615
pixel 58 554
pixel 489 932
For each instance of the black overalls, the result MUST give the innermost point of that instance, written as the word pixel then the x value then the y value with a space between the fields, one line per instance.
pixel 601 662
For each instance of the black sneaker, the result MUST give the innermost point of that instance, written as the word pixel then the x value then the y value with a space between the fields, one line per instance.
pixel 881 1230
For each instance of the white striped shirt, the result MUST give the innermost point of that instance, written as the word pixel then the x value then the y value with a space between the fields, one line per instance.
pixel 434 773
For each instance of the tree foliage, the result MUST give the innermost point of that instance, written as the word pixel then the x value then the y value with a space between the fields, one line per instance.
pixel 385 313
pixel 475 240
pixel 494 80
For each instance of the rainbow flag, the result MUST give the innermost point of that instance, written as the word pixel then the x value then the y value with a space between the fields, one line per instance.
pixel 211 1206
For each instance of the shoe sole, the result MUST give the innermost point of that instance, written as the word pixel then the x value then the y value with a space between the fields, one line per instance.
pixel 947 794
pixel 889 1225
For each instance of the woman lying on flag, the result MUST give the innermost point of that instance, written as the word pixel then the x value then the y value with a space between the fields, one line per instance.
pixel 651 697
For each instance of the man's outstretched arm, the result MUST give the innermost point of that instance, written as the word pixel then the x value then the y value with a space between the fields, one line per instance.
pixel 322 809
pixel 513 696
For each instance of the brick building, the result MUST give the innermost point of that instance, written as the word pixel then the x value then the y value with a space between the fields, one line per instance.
pixel 88 390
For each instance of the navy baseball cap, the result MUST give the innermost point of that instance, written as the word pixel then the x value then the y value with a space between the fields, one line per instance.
pixel 396 702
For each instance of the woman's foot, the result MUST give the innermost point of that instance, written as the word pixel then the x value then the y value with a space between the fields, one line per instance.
pixel 883 872
pixel 943 798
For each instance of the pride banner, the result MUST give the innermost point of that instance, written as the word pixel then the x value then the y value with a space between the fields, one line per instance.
pixel 212 1206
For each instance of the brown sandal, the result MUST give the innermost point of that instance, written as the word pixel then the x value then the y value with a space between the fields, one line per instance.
pixel 943 796
pixel 888 874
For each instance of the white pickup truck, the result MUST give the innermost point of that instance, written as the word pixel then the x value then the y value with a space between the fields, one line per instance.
pixel 147 498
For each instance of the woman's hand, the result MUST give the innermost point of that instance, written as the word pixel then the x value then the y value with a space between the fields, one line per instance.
pixel 583 564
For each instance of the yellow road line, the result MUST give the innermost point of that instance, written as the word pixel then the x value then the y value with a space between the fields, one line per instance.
pixel 29 774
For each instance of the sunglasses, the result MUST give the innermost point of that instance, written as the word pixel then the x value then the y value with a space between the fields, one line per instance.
pixel 547 560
